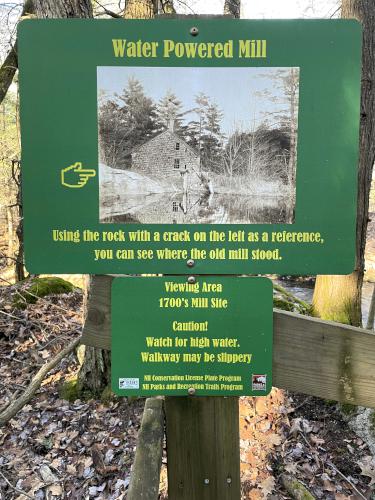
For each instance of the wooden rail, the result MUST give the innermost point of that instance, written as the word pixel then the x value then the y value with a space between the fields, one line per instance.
pixel 316 357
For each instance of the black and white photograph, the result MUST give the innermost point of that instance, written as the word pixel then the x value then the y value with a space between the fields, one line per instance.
pixel 197 145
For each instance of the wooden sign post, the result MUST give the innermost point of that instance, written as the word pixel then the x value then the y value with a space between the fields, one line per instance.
pixel 203 448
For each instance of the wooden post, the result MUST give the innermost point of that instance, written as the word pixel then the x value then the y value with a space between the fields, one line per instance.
pixel 203 448
pixel 146 469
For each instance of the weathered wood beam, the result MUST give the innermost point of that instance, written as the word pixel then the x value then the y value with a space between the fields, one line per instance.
pixel 317 357
pixel 203 447
pixel 324 359
pixel 145 475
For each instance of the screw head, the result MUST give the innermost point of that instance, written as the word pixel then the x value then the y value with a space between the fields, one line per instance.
pixel 206 481
pixel 190 263
pixel 191 279
pixel 191 391
pixel 229 480
pixel 194 31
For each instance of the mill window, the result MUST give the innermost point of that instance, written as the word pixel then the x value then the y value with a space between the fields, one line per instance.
pixel 176 163
pixel 177 146
pixel 175 206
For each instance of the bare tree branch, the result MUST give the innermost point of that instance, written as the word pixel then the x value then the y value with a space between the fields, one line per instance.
pixel 108 12
pixel 16 405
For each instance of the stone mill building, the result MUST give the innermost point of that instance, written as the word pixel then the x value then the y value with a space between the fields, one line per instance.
pixel 167 158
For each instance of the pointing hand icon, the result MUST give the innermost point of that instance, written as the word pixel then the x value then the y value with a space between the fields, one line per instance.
pixel 75 176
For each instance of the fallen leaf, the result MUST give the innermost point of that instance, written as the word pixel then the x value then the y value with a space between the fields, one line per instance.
pixel 291 467
pixel 47 475
pixel 267 486
pixel 367 465
pixel 316 440
pixel 295 428
pixel 55 489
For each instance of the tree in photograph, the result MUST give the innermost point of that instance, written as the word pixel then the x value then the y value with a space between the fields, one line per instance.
pixel 169 109
pixel 195 127
pixel 291 90
pixel 212 138
pixel 125 123
pixel 268 153
pixel 111 135
pixel 233 154
pixel 205 134
pixel 338 298
pixel 285 96
pixel 138 113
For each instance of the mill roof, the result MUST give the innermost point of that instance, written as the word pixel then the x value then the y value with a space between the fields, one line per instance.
pixel 167 130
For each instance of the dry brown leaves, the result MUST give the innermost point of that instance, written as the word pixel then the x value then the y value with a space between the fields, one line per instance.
pixel 313 444
pixel 53 448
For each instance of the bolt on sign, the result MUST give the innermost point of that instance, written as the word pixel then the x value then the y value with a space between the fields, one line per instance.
pixel 228 144
pixel 216 336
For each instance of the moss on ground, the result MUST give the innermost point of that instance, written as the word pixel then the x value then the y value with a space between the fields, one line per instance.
pixel 299 491
pixel 296 489
pixel 372 422
pixel 348 409
pixel 69 391
pixel 41 287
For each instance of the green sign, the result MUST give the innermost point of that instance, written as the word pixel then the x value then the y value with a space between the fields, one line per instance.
pixel 145 147
pixel 176 337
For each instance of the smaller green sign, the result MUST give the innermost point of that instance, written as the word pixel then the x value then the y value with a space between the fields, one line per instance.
pixel 203 336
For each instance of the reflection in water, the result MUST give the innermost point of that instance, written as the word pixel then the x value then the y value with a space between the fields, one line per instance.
pixel 195 208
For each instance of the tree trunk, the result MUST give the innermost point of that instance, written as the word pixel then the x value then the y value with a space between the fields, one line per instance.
pixel 339 297
pixel 19 267
pixel 9 216
pixel 62 8
pixel 94 376
pixel 10 65
pixel 233 8
pixel 95 373
pixel 141 9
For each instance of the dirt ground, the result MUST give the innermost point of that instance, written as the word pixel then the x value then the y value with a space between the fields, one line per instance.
pixel 54 448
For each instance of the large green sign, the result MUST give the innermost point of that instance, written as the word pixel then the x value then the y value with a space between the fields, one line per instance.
pixel 175 336
pixel 228 146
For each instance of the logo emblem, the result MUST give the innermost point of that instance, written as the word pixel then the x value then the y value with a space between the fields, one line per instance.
pixel 259 382
pixel 128 383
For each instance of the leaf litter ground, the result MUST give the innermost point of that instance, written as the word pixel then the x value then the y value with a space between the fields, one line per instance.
pixel 84 449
